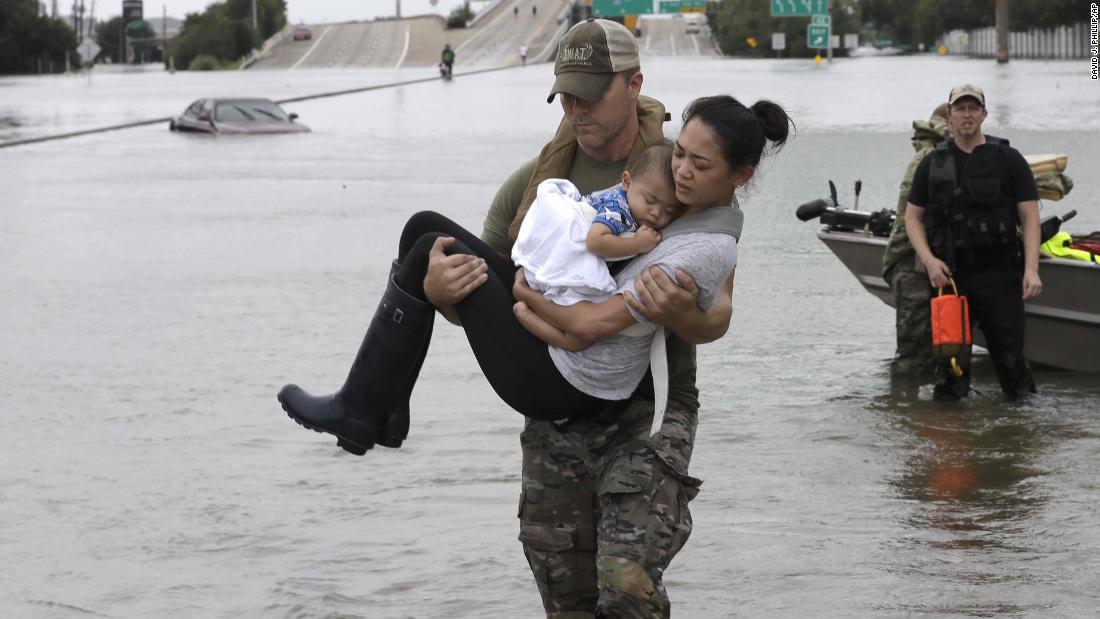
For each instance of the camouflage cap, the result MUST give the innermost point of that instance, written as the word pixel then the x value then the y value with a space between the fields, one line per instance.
pixel 590 55
pixel 966 90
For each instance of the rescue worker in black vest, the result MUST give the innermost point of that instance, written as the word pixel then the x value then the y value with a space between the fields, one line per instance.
pixel 968 199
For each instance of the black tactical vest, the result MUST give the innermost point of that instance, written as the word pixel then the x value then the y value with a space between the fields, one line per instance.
pixel 971 216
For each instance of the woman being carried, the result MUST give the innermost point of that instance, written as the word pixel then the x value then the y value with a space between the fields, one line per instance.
pixel 717 151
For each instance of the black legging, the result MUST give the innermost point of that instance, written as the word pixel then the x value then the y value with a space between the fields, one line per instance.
pixel 517 364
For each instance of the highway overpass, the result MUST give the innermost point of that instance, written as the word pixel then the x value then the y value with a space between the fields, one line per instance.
pixel 492 40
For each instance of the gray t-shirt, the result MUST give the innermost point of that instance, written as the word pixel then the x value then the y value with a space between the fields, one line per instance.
pixel 611 368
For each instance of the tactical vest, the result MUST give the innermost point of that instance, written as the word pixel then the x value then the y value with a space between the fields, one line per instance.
pixel 971 213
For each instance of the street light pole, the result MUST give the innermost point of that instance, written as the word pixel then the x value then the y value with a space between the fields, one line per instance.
pixel 254 22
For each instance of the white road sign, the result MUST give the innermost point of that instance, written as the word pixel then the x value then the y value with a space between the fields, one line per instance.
pixel 87 50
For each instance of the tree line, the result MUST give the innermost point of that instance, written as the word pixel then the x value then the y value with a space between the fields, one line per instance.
pixel 32 43
pixel 218 37
pixel 744 27
pixel 223 35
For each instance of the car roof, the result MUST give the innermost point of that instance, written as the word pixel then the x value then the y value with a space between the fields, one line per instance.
pixel 238 99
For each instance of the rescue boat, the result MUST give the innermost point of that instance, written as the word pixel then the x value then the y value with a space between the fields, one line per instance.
pixel 1063 323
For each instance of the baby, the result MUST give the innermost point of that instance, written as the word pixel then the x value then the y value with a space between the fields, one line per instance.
pixel 565 238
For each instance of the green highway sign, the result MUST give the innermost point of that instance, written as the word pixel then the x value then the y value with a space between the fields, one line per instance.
pixel 796 8
pixel 817 37
pixel 605 8
pixel 682 6
pixel 820 20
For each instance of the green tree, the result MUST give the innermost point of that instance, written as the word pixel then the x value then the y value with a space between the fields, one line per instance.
pixel 270 15
pixel 924 21
pixel 1043 14
pixel 224 31
pixel 927 23
pixel 30 42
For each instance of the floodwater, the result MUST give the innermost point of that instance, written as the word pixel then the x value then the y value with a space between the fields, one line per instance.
pixel 157 289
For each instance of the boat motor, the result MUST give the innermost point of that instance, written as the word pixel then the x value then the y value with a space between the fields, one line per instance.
pixel 835 217
pixel 1049 226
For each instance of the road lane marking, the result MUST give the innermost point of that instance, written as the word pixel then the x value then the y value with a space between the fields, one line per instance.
pixel 672 42
pixel 406 50
pixel 695 42
pixel 311 48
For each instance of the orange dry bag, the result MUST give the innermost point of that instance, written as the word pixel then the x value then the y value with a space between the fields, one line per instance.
pixel 951 329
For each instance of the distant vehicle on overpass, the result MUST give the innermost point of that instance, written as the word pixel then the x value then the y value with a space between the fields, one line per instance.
pixel 301 33
pixel 228 116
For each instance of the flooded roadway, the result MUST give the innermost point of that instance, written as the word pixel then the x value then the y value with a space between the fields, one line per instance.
pixel 159 288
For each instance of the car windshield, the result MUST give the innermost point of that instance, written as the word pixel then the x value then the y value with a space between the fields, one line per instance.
pixel 248 110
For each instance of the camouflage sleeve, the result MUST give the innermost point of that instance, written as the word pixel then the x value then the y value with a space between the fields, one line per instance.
pixel 910 171
pixel 504 207
pixel 898 246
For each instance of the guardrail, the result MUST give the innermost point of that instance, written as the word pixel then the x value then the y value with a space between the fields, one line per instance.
pixel 165 119
pixel 271 41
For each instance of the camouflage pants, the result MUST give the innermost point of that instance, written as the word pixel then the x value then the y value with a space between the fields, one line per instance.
pixel 912 297
pixel 604 509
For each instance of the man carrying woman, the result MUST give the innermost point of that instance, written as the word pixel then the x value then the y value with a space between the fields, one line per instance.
pixel 604 503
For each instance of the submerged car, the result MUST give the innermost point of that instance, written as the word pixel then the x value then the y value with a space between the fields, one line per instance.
pixel 301 33
pixel 236 116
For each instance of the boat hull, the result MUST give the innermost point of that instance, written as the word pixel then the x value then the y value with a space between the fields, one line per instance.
pixel 1063 323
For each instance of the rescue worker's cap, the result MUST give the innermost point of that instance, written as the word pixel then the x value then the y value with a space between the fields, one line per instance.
pixel 966 90
pixel 590 55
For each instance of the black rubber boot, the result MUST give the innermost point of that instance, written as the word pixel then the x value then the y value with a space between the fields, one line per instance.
pixel 380 379
pixel 395 421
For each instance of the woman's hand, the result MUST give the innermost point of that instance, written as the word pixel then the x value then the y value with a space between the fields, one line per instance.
pixel 546 331
pixel 584 323
pixel 520 290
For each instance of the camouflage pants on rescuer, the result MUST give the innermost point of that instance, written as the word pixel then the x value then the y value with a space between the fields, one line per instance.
pixel 621 487
pixel 908 282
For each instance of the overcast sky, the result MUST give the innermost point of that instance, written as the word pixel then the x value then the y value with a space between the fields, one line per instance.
pixel 308 11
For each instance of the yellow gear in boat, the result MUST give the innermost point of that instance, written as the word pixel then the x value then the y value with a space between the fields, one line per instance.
pixel 1058 247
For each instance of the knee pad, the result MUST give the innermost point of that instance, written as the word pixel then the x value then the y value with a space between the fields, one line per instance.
pixel 627 590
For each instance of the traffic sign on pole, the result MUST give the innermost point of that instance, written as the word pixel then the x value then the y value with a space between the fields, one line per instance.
pixel 88 50
pixel 779 41
pixel 799 8
pixel 605 8
pixel 817 37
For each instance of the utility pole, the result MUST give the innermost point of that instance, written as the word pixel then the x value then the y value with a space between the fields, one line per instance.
pixel 255 23
pixel 1002 31
pixel 398 9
